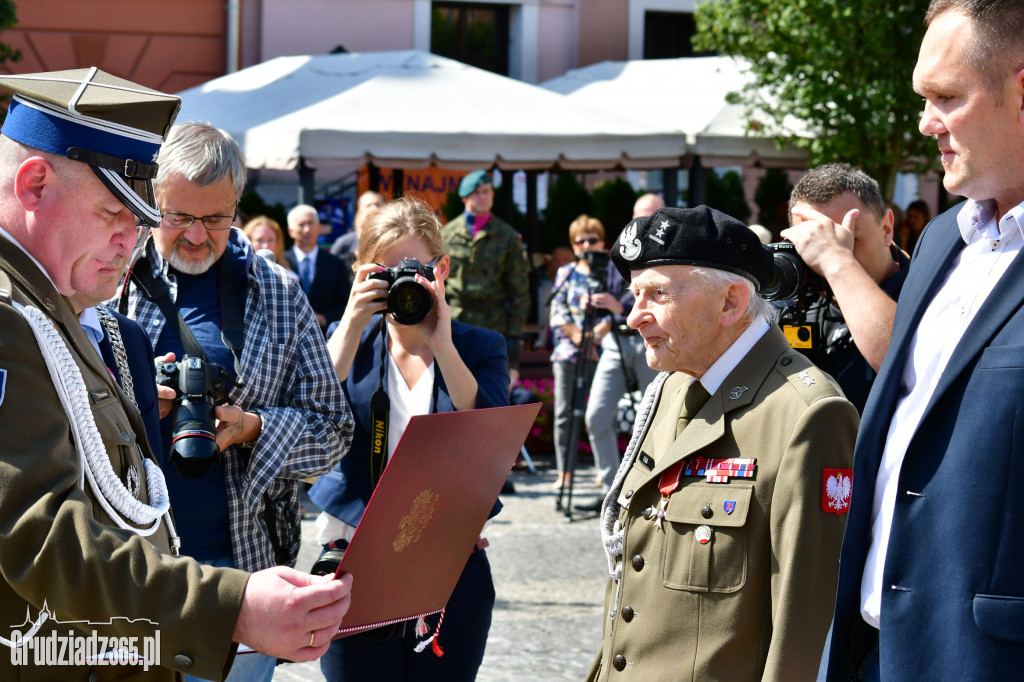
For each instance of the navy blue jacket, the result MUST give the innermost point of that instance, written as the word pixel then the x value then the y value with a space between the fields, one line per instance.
pixel 140 363
pixel 953 606
pixel 345 491
pixel 329 290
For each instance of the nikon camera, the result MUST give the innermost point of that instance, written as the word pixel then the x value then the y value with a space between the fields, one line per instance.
pixel 199 386
pixel 408 300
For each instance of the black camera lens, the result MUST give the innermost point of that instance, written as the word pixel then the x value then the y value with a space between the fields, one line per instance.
pixel 787 278
pixel 409 301
pixel 194 439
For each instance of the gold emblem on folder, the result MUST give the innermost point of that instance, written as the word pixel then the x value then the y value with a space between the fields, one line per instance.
pixel 412 525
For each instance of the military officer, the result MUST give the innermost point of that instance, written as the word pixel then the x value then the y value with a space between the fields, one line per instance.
pixel 724 522
pixel 85 529
pixel 489 282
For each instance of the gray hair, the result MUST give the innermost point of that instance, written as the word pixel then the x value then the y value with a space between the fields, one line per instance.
pixel 300 210
pixel 757 307
pixel 201 154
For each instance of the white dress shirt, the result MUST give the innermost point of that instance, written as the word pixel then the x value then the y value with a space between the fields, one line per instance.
pixel 989 250
pixel 728 360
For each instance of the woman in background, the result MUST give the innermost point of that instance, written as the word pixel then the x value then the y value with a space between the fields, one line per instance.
pixel 568 309
pixel 437 365
pixel 265 233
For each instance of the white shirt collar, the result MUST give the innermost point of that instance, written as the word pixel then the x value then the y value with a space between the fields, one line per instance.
pixel 977 218
pixel 33 258
pixel 727 362
pixel 301 255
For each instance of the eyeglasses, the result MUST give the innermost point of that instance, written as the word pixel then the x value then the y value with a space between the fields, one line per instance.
pixel 589 241
pixel 181 221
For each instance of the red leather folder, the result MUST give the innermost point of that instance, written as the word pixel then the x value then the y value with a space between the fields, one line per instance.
pixel 426 514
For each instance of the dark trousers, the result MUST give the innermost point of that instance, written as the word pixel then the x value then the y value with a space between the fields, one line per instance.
pixel 467 619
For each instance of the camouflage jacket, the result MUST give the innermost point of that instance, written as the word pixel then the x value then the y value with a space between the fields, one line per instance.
pixel 488 286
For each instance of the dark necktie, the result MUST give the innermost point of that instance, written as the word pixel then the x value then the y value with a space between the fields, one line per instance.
pixel 696 396
pixel 306 274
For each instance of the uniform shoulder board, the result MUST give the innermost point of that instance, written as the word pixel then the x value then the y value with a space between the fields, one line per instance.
pixel 812 383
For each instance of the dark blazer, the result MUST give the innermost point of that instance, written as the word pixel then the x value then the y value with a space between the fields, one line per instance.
pixel 345 491
pixel 953 607
pixel 140 363
pixel 332 281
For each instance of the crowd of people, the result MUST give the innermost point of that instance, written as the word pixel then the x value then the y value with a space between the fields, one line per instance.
pixel 840 505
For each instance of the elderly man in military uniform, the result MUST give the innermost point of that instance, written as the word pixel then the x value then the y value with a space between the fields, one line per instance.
pixel 724 522
pixel 489 282
pixel 86 537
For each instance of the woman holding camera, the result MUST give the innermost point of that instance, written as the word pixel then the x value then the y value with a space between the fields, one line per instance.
pixel 435 365
pixel 568 313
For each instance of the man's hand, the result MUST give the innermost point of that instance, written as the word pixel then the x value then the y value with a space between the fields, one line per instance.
pixel 606 301
pixel 165 394
pixel 293 615
pixel 235 425
pixel 824 245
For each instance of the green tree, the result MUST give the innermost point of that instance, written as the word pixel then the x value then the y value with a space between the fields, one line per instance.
pixel 772 199
pixel 725 193
pixel 567 200
pixel 842 66
pixel 612 204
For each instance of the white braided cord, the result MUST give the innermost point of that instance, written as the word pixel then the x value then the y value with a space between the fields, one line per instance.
pixel 108 489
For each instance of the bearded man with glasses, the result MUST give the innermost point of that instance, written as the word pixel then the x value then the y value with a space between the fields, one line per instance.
pixel 285 417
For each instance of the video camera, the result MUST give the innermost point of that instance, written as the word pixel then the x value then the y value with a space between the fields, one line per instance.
pixel 409 302
pixel 199 387
pixel 796 289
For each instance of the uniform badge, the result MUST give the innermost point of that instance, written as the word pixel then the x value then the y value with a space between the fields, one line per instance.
pixel 659 233
pixel 703 534
pixel 132 481
pixel 629 245
pixel 736 392
pixel 646 460
pixel 3 384
pixel 836 489
pixel 729 506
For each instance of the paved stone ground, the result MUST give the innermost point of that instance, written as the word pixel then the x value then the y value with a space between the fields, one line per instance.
pixel 549 576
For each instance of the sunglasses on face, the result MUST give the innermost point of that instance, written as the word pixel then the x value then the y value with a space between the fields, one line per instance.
pixel 589 241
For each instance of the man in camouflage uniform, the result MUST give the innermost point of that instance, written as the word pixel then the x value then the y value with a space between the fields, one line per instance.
pixel 488 285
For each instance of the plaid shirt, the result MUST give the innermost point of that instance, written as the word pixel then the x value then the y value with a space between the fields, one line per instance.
pixel 290 383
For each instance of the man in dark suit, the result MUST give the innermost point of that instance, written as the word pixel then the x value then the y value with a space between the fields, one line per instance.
pixel 125 349
pixel 324 277
pixel 930 586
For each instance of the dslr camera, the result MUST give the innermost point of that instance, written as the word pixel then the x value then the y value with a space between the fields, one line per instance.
pixel 795 288
pixel 408 300
pixel 199 386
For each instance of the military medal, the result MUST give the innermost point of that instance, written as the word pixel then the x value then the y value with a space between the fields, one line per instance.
pixel 703 534
pixel 721 469
pixel 667 484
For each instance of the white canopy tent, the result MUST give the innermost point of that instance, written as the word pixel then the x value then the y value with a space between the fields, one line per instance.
pixel 689 95
pixel 410 109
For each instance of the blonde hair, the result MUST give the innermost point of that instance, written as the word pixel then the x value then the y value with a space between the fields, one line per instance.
pixel 265 221
pixel 395 222
pixel 585 225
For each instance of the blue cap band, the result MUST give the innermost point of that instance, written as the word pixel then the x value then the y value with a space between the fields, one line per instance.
pixel 55 134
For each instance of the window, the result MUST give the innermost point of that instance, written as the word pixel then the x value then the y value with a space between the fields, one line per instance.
pixel 473 34
pixel 667 35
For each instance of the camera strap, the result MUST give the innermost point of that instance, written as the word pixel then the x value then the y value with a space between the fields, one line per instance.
pixel 380 411
pixel 157 291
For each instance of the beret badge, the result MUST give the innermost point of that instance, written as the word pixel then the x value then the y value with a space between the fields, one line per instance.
pixel 630 247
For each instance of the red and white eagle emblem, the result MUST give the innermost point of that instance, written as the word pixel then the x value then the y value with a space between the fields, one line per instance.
pixel 836 489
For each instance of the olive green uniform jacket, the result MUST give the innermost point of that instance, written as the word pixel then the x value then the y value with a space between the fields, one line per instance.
pixel 755 601
pixel 57 545
pixel 489 282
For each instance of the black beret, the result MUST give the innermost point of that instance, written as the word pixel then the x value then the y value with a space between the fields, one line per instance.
pixel 698 236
